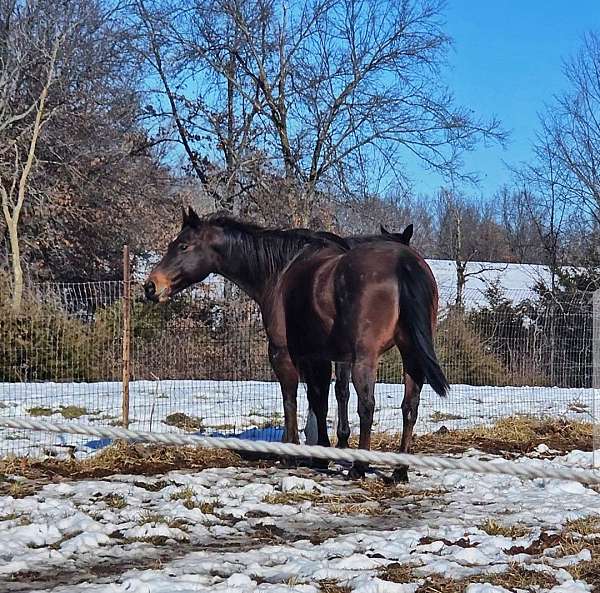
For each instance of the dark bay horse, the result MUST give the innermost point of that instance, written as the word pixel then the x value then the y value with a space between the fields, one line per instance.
pixel 343 369
pixel 321 301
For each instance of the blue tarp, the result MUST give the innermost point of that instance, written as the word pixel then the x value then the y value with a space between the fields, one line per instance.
pixel 271 433
pixel 98 444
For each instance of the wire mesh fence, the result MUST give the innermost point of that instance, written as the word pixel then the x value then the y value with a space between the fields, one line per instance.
pixel 200 363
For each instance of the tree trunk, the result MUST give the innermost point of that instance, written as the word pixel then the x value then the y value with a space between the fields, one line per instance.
pixel 12 207
pixel 17 270
pixel 461 281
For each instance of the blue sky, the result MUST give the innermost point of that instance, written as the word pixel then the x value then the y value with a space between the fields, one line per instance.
pixel 507 60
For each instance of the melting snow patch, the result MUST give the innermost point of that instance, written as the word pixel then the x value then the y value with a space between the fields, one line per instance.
pixel 571 587
pixel 367 584
pixel 248 546
pixel 485 588
pixel 84 542
pixel 292 483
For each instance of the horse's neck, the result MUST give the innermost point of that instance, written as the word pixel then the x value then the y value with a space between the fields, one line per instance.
pixel 258 284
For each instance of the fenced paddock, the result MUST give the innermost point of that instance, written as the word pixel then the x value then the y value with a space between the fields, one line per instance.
pixel 138 518
pixel 200 364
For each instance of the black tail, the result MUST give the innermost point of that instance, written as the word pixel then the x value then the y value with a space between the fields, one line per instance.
pixel 416 303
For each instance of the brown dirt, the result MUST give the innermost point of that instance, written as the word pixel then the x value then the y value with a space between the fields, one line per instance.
pixel 567 542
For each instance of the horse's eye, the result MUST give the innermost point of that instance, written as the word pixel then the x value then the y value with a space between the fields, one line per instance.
pixel 183 247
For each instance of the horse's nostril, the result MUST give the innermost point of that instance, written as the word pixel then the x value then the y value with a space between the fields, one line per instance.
pixel 150 289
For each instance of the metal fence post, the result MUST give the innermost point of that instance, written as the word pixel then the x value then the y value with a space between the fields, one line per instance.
pixel 126 335
pixel 596 381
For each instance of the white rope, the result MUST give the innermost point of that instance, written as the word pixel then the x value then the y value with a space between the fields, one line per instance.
pixel 529 471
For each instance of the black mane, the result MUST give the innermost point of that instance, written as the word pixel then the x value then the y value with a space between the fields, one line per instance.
pixel 354 240
pixel 268 250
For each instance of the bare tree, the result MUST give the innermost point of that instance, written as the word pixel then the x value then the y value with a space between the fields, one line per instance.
pixel 572 131
pixel 546 201
pixel 200 104
pixel 395 212
pixel 326 94
pixel 462 233
pixel 522 233
pixel 21 124
pixel 95 180
pixel 559 189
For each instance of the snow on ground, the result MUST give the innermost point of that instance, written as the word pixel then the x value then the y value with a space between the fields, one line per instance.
pixel 234 530
pixel 233 406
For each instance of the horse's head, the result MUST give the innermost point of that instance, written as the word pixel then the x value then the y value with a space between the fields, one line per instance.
pixel 190 258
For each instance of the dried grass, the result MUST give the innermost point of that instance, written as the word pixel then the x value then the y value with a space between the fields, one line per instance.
pixel 589 570
pixel 331 586
pixel 115 501
pixel 188 497
pixel 184 422
pixel 515 434
pixel 516 577
pixel 346 509
pixel 71 412
pixel 292 498
pixel 148 517
pixel 40 411
pixel 510 436
pixel 585 526
pixel 373 500
pixel 492 527
pixel 121 457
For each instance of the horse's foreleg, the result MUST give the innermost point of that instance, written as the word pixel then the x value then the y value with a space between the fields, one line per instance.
pixel 342 394
pixel 363 378
pixel 317 374
pixel 413 383
pixel 318 377
pixel 288 377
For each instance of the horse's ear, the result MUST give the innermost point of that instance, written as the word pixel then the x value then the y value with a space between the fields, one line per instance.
pixel 184 216
pixel 383 230
pixel 407 234
pixel 192 218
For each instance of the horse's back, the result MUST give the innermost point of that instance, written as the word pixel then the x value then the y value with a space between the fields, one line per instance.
pixel 368 285
pixel 334 302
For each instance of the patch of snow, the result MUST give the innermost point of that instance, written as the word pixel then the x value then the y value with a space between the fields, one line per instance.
pixel 291 483
pixel 486 588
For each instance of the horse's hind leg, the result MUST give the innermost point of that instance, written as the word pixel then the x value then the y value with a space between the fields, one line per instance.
pixel 364 372
pixel 342 394
pixel 413 383
pixel 317 375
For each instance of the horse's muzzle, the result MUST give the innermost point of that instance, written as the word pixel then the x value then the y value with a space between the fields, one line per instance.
pixel 156 293
pixel 150 291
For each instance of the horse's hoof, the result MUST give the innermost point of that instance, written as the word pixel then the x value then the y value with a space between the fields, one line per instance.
pixel 400 475
pixel 356 473
pixel 288 462
pixel 320 463
pixel 295 462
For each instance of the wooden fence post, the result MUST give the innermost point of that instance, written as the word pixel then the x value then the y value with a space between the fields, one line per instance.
pixel 126 335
